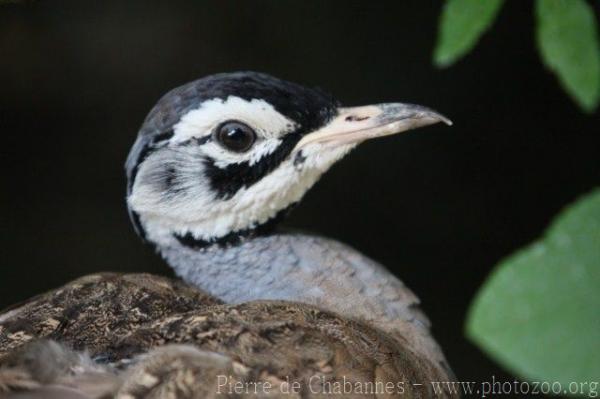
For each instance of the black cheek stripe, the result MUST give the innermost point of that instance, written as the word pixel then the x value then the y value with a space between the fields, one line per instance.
pixel 226 182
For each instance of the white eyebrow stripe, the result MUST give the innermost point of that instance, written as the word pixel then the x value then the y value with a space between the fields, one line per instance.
pixel 258 114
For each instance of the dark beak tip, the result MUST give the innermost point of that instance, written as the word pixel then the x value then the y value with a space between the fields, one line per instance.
pixel 432 117
pixel 414 111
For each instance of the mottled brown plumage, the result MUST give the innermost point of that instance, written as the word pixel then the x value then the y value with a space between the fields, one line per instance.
pixel 91 311
pixel 159 338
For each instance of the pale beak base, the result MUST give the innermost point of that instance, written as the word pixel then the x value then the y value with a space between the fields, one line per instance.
pixel 356 124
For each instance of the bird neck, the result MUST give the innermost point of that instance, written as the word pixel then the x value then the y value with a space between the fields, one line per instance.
pixel 301 268
pixel 255 267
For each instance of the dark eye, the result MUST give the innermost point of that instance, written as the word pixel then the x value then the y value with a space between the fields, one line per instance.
pixel 235 136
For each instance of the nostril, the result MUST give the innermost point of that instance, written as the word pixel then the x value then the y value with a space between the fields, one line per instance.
pixel 355 118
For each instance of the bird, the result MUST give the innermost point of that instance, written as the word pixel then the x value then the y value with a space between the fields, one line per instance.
pixel 216 166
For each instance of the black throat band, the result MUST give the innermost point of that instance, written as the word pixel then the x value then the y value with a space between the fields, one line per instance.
pixel 237 237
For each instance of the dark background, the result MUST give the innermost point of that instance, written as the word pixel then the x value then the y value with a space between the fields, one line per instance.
pixel 439 206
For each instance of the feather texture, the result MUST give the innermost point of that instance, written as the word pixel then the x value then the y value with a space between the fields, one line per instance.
pixel 142 336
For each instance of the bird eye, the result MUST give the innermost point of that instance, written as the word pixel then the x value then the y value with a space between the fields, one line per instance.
pixel 235 136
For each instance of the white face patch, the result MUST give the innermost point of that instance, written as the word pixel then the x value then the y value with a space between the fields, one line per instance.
pixel 198 212
pixel 258 114
pixel 268 124
pixel 172 193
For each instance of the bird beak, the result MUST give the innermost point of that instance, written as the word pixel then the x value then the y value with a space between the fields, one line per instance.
pixel 354 125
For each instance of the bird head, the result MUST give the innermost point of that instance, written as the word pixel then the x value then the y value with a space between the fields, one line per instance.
pixel 224 157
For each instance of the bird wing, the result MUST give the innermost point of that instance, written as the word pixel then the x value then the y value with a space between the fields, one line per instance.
pixel 93 309
pixel 153 337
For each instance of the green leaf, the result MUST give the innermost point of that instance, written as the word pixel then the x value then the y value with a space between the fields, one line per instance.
pixel 538 313
pixel 567 39
pixel 462 22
